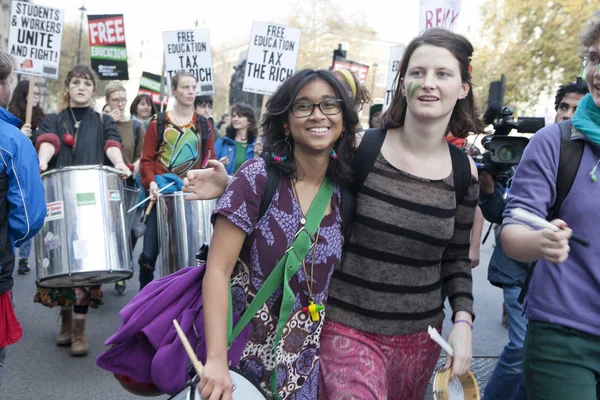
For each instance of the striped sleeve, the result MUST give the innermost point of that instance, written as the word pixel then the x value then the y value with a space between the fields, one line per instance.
pixel 456 265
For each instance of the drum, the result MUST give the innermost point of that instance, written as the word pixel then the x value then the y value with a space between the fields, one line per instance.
pixel 83 241
pixel 462 388
pixel 131 198
pixel 242 389
pixel 183 227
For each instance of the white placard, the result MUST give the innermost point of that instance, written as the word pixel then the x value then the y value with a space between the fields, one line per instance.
pixel 189 51
pixel 396 53
pixel 438 14
pixel 272 57
pixel 35 39
pixel 80 249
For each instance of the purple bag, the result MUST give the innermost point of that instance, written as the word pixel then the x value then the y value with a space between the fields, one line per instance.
pixel 146 347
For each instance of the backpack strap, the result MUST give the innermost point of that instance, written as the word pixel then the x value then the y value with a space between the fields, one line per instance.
pixel 161 121
pixel 272 183
pixel 571 153
pixel 366 154
pixel 461 171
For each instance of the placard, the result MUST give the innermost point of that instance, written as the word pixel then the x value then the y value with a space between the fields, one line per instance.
pixel 396 53
pixel 35 39
pixel 272 57
pixel 360 70
pixel 438 14
pixel 189 51
pixel 150 85
pixel 108 50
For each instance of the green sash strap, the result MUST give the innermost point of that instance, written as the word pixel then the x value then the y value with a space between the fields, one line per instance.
pixel 284 271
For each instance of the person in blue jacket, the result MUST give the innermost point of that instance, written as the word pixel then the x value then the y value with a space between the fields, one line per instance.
pixel 22 201
pixel 237 145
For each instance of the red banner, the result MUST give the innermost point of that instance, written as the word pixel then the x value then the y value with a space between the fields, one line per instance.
pixel 360 70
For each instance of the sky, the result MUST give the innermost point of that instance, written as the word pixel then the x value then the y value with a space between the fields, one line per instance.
pixel 229 22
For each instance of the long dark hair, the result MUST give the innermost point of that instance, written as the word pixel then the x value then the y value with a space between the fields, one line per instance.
pixel 244 110
pixel 136 102
pixel 278 109
pixel 18 105
pixel 465 116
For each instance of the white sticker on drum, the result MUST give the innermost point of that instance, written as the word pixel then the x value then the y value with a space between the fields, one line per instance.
pixel 455 390
pixel 80 249
pixel 45 263
pixel 54 211
pixel 114 195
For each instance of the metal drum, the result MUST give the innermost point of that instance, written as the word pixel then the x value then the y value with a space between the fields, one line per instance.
pixel 183 226
pixel 131 198
pixel 83 241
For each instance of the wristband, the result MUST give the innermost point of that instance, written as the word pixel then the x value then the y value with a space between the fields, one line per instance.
pixel 465 321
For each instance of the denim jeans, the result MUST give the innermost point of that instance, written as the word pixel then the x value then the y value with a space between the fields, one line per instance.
pixel 25 249
pixel 2 358
pixel 507 381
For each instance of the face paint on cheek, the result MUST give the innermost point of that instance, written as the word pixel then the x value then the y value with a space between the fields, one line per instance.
pixel 412 89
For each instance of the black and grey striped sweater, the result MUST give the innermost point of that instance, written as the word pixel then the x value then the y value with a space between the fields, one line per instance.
pixel 408 239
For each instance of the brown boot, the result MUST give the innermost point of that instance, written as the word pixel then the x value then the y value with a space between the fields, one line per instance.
pixel 63 338
pixel 79 347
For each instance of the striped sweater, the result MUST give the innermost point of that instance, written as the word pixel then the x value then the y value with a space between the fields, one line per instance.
pixel 408 239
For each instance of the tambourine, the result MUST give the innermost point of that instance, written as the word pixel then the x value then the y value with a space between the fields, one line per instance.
pixel 464 387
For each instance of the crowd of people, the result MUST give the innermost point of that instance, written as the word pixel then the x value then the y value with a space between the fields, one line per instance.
pixel 337 246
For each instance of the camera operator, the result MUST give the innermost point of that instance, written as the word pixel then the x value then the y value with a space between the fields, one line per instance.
pixel 506 381
pixel 567 98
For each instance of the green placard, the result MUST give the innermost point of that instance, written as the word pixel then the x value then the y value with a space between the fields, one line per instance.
pixel 86 199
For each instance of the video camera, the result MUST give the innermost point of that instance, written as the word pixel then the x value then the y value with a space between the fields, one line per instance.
pixel 504 151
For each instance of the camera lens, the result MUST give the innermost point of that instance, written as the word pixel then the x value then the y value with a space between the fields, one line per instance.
pixel 507 153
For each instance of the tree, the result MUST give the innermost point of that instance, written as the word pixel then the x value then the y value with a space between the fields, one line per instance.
pixel 535 43
pixel 322 29
pixel 68 59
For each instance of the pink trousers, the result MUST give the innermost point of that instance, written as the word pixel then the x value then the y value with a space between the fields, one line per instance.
pixel 356 365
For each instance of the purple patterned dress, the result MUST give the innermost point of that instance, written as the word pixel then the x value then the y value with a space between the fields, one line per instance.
pixel 266 243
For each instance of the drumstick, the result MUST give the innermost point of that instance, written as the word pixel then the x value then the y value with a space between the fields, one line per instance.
pixel 148 198
pixel 436 337
pixel 532 219
pixel 188 349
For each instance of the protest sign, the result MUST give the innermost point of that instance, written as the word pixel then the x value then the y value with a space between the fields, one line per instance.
pixel 438 14
pixel 35 39
pixel 396 53
pixel 360 70
pixel 107 46
pixel 189 51
pixel 272 57
pixel 150 85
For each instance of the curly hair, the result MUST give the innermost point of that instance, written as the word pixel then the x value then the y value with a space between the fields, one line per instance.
pixel 579 87
pixel 244 110
pixel 278 110
pixel 591 33
pixel 18 105
pixel 465 116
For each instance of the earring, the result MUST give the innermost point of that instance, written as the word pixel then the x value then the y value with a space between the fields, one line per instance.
pixel 277 158
pixel 334 155
pixel 592 173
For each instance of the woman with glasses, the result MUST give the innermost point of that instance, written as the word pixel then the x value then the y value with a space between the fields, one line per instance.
pixel 561 353
pixel 409 242
pixel 132 138
pixel 309 132
pixel 237 146
pixel 18 107
pixel 77 135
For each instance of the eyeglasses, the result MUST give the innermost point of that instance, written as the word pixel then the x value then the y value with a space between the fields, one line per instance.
pixel 327 107
pixel 118 101
pixel 592 60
